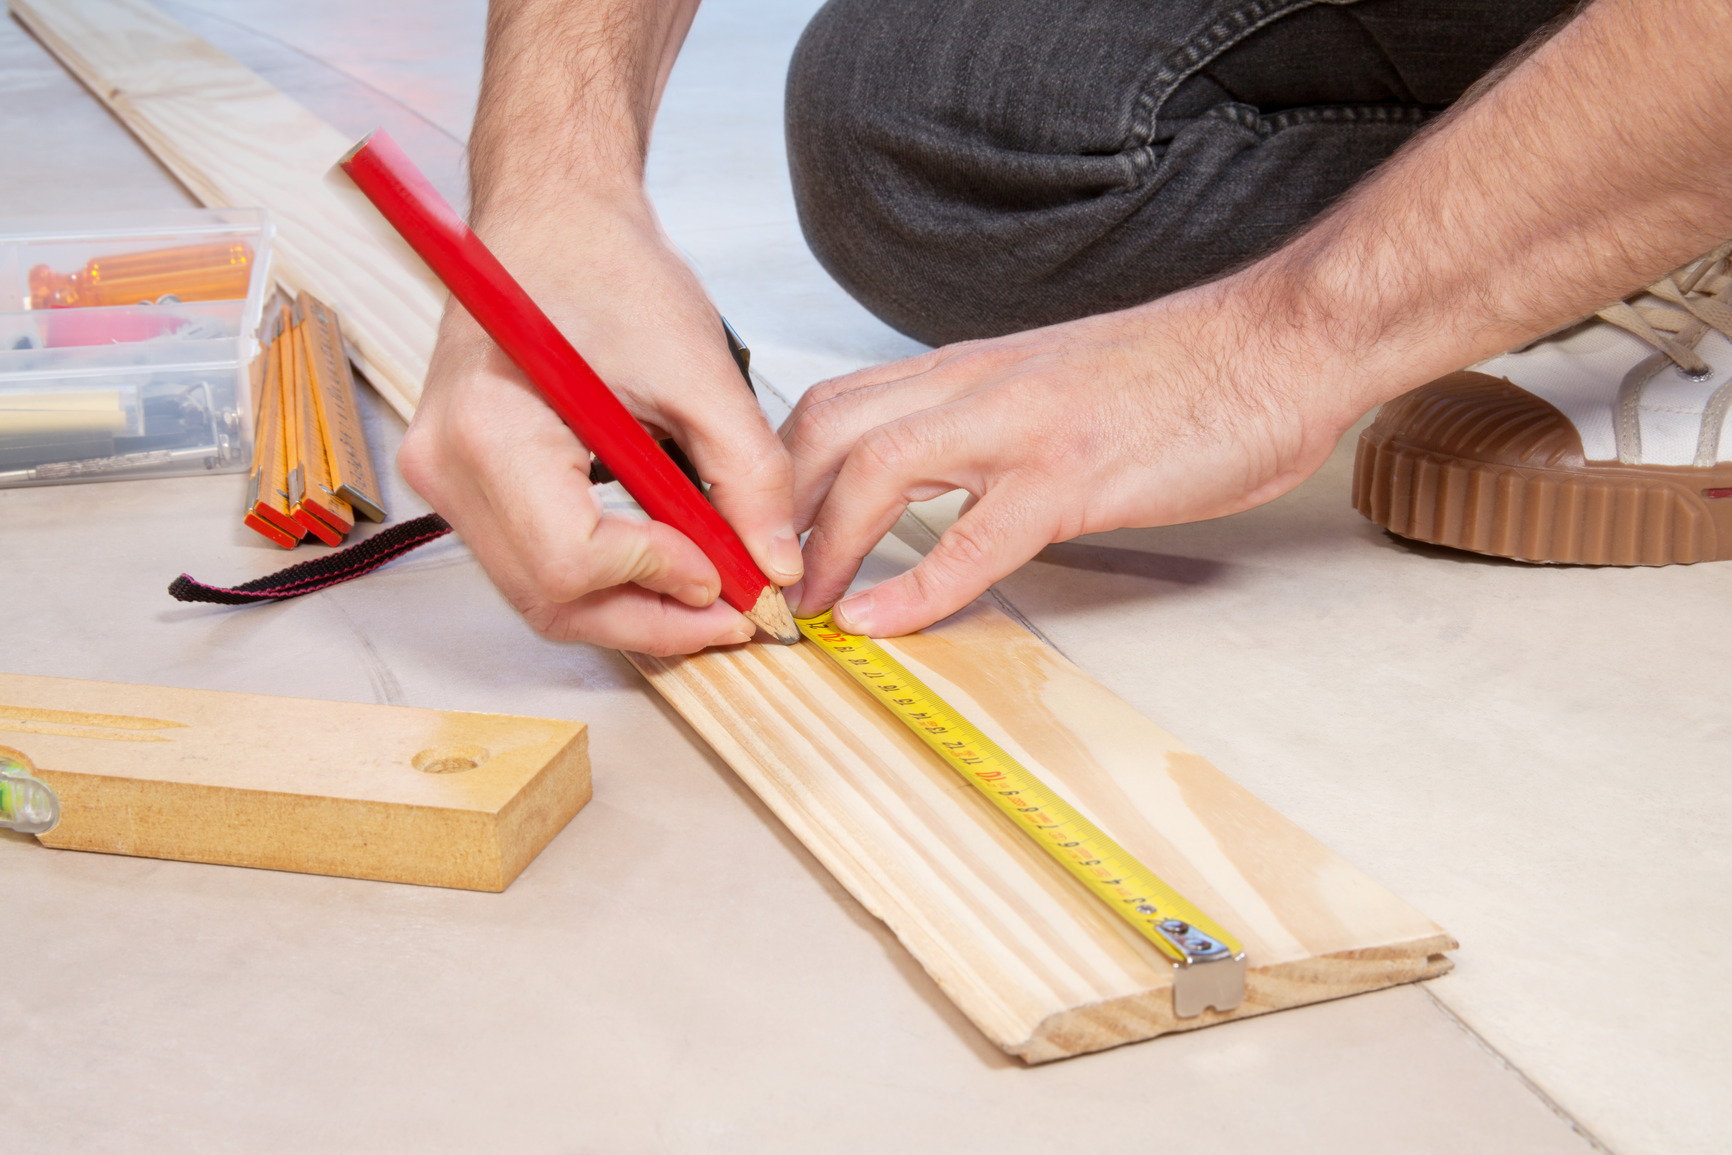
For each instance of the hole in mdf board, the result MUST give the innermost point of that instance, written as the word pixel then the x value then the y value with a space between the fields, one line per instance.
pixel 449 759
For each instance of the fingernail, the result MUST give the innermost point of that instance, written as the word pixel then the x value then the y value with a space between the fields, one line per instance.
pixel 855 614
pixel 734 637
pixel 694 594
pixel 785 554
pixel 792 596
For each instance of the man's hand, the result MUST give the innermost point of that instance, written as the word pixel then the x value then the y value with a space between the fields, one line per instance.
pixel 1569 182
pixel 501 466
pixel 1151 416
pixel 556 160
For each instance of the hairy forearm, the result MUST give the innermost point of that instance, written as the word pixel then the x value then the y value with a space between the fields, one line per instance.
pixel 568 94
pixel 1600 162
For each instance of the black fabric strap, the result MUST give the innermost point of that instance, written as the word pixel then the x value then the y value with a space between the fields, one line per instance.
pixel 320 573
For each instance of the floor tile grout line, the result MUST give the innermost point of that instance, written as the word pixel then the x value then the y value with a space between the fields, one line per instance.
pixel 1538 1091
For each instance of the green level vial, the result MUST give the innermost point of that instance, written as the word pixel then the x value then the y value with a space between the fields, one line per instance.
pixel 26 802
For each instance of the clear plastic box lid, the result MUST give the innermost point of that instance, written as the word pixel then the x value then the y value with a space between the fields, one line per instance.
pixel 102 377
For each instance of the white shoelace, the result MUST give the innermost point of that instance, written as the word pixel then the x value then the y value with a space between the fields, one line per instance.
pixel 1673 315
pixel 1678 310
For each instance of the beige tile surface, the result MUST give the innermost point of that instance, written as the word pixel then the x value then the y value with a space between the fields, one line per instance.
pixel 1527 755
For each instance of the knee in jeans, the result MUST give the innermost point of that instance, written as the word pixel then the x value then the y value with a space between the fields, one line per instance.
pixel 945 181
pixel 848 98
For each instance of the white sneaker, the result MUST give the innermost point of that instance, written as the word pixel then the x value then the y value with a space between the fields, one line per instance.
pixel 1605 443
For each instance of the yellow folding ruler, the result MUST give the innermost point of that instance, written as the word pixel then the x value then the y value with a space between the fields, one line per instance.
pixel 312 472
pixel 349 467
pixel 1209 963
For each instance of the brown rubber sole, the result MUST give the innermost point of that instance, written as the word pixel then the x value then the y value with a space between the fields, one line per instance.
pixel 1475 463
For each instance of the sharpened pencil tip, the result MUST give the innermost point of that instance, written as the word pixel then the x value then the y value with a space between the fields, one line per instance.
pixel 771 614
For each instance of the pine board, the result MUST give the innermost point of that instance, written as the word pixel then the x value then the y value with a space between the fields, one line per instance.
pixel 295 784
pixel 1018 945
pixel 235 141
pixel 1021 947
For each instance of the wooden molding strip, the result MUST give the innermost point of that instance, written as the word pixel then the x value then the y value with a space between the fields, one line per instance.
pixel 1021 947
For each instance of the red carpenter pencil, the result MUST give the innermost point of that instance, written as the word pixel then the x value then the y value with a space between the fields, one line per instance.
pixel 494 298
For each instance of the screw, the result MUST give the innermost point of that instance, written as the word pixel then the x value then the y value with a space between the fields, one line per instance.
pixel 1174 926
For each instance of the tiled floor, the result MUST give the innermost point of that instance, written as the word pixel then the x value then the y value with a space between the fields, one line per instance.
pixel 1534 757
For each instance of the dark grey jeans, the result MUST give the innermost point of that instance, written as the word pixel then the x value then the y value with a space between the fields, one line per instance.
pixel 973 167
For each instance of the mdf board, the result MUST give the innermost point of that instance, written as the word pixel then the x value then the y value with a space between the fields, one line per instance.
pixel 392 793
pixel 236 141
pixel 1036 961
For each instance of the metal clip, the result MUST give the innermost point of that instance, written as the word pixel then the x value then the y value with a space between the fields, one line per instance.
pixel 1219 983
pixel 1213 973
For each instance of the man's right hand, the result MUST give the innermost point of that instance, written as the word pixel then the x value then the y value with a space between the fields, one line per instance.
pixel 513 480
pixel 556 155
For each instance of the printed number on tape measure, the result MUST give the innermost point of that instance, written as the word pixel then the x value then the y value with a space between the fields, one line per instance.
pixel 1210 962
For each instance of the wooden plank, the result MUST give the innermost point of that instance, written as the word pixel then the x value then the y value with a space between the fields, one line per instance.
pixel 1021 947
pixel 236 141
pixel 435 797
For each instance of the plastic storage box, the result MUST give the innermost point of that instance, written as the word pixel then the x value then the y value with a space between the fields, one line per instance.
pixel 125 344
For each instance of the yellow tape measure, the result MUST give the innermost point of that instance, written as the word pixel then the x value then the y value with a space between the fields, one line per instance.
pixel 1211 963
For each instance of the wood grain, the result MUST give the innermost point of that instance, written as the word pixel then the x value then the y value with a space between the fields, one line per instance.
pixel 236 141
pixel 1027 953
pixel 435 797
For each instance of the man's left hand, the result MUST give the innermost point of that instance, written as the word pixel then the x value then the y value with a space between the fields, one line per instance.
pixel 1168 412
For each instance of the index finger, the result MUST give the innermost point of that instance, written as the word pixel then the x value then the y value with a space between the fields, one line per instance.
pixel 1002 531
pixel 911 459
